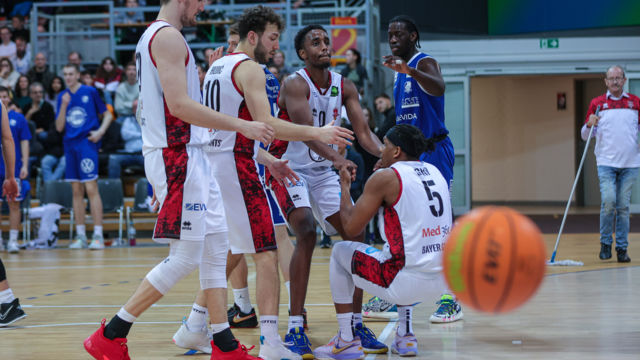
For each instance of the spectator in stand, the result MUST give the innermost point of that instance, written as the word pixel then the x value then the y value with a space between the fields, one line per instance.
pixel 21 92
pixel 279 62
pixel 75 58
pixel 79 112
pixel 368 159
pixel 22 59
pixel 354 70
pixel 21 137
pixel 7 47
pixel 130 17
pixel 56 87
pixel 126 101
pixel 19 28
pixel 53 162
pixel 40 71
pixel 202 71
pixel 131 134
pixel 107 78
pixel 39 111
pixel 87 79
pixel 383 106
pixel 8 76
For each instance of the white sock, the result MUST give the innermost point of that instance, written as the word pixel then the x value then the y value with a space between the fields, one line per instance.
pixel 296 321
pixel 404 320
pixel 241 298
pixel 218 328
pixel 197 318
pixel 97 230
pixel 344 322
pixel 80 229
pixel 13 235
pixel 356 319
pixel 6 296
pixel 269 328
pixel 287 284
pixel 124 315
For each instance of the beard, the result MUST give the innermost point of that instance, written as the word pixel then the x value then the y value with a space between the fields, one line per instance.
pixel 260 53
pixel 185 19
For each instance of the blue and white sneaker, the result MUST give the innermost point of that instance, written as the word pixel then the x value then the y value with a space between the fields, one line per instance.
pixel 448 311
pixel 370 343
pixel 340 349
pixel 298 342
pixel 377 308
pixel 406 345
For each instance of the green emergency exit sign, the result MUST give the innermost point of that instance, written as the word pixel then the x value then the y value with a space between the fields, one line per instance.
pixel 551 43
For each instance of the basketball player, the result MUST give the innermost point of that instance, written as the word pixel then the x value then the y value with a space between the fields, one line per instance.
pixel 418 93
pixel 314 96
pixel 235 85
pixel 10 310
pixel 191 216
pixel 79 108
pixel 410 197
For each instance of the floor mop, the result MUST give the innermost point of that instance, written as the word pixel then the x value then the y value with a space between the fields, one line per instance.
pixel 553 261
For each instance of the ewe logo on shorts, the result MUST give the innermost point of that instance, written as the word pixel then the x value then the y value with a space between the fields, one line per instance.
pixel 195 207
pixel 76 116
pixel 87 166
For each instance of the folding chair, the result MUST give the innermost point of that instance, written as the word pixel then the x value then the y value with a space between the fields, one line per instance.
pixel 112 197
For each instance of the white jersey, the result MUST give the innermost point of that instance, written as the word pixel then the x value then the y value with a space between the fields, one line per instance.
pixel 160 129
pixel 221 94
pixel 325 105
pixel 416 227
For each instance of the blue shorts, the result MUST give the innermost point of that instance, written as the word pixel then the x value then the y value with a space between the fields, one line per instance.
pixel 82 160
pixel 24 186
pixel 443 158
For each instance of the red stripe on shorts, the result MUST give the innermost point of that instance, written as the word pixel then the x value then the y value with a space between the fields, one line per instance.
pixel 175 164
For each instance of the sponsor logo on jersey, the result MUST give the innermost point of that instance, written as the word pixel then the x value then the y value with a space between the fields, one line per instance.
pixel 427 249
pixel 215 142
pixel 314 112
pixel 85 99
pixel 12 122
pixel 76 116
pixel 410 102
pixel 195 207
pixel 429 232
pixel 335 114
pixel 630 103
pixel 87 165
pixel 406 117
pixel 334 91
pixel 407 87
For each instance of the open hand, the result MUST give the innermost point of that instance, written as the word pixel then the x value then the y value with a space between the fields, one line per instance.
pixel 337 135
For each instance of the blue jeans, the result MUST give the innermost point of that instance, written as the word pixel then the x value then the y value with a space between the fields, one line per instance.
pixel 615 193
pixel 117 161
pixel 52 167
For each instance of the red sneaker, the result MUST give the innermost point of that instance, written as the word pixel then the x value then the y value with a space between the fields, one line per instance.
pixel 102 348
pixel 240 353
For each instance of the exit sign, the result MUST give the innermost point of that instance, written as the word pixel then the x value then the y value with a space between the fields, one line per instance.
pixel 551 43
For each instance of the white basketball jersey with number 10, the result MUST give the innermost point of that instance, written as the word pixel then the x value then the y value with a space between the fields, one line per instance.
pixel 326 106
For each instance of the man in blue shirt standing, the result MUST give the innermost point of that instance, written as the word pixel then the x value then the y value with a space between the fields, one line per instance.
pixel 21 136
pixel 418 93
pixel 79 109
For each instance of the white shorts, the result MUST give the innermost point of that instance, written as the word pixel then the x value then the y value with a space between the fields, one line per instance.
pixel 245 203
pixel 190 199
pixel 318 189
pixel 397 285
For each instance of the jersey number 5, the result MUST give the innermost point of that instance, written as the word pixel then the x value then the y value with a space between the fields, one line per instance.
pixel 433 194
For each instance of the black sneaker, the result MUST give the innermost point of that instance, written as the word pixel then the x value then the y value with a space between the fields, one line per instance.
pixel 238 319
pixel 622 255
pixel 11 312
pixel 605 251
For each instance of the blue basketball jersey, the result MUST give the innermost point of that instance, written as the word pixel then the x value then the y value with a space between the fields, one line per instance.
pixel 82 112
pixel 20 131
pixel 415 106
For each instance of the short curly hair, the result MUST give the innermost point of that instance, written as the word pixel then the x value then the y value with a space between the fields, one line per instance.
pixel 256 19
pixel 299 39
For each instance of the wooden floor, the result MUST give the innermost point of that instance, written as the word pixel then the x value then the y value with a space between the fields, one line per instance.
pixel 587 312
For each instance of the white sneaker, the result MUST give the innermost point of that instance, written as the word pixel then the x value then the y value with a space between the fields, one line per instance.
pixel 192 340
pixel 12 247
pixel 270 351
pixel 97 242
pixel 79 243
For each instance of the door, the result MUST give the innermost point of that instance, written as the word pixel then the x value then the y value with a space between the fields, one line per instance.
pixel 456 110
pixel 633 87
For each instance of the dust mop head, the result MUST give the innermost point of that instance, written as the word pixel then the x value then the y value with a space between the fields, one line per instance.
pixel 565 263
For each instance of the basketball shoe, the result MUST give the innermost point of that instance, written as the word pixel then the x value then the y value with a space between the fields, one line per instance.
pixel 378 308
pixel 13 247
pixel 240 353
pixel 278 351
pixel 339 349
pixel 298 342
pixel 192 340
pixel 238 319
pixel 97 242
pixel 79 243
pixel 11 312
pixel 448 311
pixel 370 343
pixel 406 345
pixel 102 348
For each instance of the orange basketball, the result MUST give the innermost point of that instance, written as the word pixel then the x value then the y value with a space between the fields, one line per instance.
pixel 494 259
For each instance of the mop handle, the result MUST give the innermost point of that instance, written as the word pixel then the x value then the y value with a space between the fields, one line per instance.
pixel 573 189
